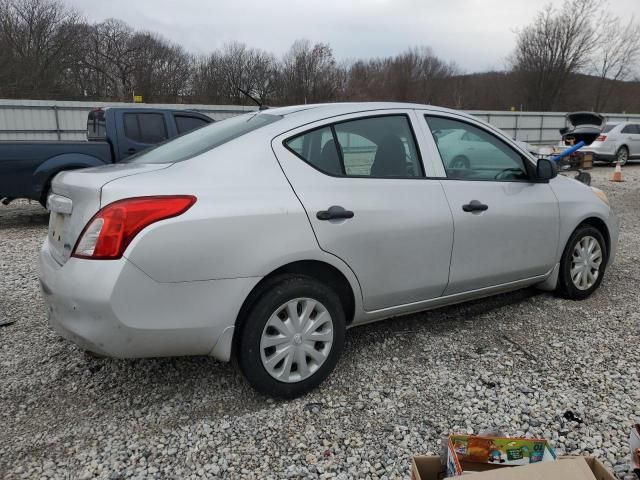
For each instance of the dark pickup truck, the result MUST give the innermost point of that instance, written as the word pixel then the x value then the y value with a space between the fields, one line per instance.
pixel 27 168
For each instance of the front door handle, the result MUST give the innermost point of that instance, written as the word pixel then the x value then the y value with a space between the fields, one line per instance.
pixel 333 213
pixel 475 206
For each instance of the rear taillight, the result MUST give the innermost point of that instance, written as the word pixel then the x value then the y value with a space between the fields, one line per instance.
pixel 109 232
pixel 601 138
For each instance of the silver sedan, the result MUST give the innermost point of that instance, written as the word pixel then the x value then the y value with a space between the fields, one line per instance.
pixel 266 236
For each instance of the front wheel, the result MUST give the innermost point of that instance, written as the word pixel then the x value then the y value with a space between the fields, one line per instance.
pixel 583 263
pixel 292 336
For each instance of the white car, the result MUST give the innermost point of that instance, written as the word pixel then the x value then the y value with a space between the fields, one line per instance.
pixel 265 236
pixel 462 149
pixel 618 142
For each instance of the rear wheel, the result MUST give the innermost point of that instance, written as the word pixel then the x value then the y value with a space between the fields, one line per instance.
pixel 583 263
pixel 291 337
pixel 623 155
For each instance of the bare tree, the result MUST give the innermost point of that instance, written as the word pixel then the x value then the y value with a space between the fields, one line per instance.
pixel 616 56
pixel 557 45
pixel 113 56
pixel 48 51
pixel 220 76
pixel 309 74
pixel 162 70
pixel 38 42
pixel 416 75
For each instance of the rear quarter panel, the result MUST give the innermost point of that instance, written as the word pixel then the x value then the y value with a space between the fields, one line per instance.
pixel 247 221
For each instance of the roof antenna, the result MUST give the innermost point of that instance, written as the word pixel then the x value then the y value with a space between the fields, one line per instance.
pixel 256 101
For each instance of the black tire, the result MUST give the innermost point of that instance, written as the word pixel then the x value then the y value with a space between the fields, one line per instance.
pixel 273 295
pixel 622 152
pixel 566 287
pixel 45 195
pixel 92 354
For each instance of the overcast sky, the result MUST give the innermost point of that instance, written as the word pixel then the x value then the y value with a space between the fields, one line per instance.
pixel 477 34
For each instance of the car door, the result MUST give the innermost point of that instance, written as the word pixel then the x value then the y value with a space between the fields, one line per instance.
pixel 362 184
pixel 506 225
pixel 633 139
pixel 140 130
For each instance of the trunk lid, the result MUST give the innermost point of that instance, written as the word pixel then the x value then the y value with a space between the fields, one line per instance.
pixel 76 197
pixel 584 127
pixel 577 119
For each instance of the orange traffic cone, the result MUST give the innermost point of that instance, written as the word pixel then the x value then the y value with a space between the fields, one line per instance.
pixel 617 173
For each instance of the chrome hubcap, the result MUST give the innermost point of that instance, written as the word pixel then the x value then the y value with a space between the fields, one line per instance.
pixel 296 340
pixel 585 263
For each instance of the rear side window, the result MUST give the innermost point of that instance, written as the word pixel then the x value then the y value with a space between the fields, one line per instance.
pixel 96 125
pixel 147 128
pixel 629 129
pixel 187 124
pixel 318 148
pixel 204 139
pixel 379 147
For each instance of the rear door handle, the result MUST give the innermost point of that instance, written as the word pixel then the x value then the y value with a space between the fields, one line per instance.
pixel 131 151
pixel 333 213
pixel 475 206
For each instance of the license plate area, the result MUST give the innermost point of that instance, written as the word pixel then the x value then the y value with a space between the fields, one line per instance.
pixel 57 223
pixel 61 208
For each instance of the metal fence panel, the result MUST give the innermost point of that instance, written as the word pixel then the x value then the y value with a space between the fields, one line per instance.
pixel 55 120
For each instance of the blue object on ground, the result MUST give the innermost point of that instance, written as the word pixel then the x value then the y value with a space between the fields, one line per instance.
pixel 568 151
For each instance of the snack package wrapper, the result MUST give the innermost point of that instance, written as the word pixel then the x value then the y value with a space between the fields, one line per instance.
pixel 497 451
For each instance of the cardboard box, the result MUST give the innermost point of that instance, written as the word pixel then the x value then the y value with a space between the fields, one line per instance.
pixel 634 444
pixel 471 453
pixel 566 468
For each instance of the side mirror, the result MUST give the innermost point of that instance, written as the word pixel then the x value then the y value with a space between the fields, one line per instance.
pixel 546 170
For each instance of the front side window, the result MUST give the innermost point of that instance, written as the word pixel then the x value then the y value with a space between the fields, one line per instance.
pixel 379 147
pixel 145 127
pixel 471 153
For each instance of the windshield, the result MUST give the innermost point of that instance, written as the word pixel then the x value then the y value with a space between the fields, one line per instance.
pixel 204 139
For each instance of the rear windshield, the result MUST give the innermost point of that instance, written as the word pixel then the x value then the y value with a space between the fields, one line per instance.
pixel 608 127
pixel 204 139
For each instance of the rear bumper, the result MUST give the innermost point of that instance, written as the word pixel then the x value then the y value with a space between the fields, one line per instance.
pixel 113 308
pixel 600 154
pixel 604 157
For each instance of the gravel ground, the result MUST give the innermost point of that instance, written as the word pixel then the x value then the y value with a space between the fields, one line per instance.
pixel 517 362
